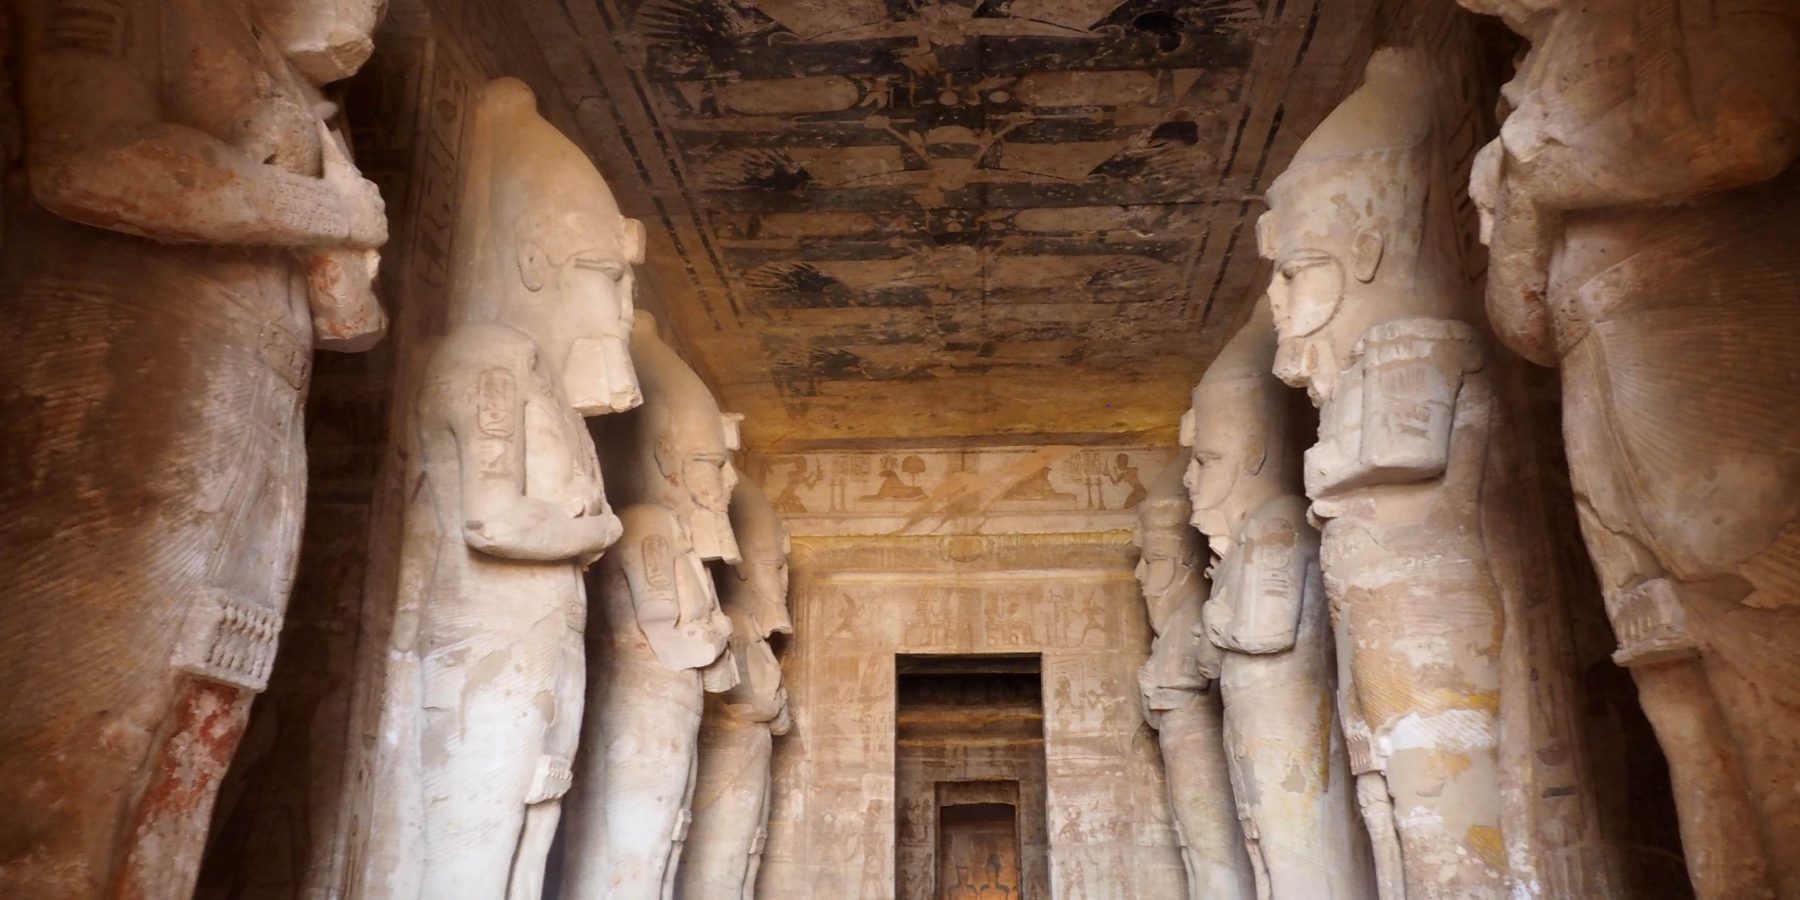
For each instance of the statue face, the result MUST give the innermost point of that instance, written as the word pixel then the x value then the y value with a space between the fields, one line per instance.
pixel 709 478
pixel 1304 294
pixel 587 286
pixel 1162 549
pixel 599 376
pixel 1217 460
pixel 759 694
pixel 762 592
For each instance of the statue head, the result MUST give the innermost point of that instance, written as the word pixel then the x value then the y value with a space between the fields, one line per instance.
pixel 1168 547
pixel 1357 225
pixel 676 449
pixel 327 40
pixel 1180 664
pixel 549 252
pixel 1238 432
pixel 759 581
pixel 754 594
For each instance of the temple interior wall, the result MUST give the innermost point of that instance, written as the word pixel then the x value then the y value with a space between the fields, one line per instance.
pixel 967 555
pixel 896 551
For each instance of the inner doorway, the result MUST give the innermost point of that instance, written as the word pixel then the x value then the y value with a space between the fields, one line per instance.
pixel 978 850
pixel 969 778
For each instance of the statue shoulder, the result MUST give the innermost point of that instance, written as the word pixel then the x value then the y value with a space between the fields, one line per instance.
pixel 479 346
pixel 649 519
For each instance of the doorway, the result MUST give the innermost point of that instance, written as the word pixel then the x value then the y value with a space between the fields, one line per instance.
pixel 969 778
pixel 978 850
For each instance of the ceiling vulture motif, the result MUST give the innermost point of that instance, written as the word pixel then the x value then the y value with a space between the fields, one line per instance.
pixel 881 219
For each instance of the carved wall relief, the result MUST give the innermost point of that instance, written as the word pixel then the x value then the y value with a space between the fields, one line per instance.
pixel 731 794
pixel 1268 615
pixel 1640 206
pixel 1175 685
pixel 1372 319
pixel 662 640
pixel 190 235
pixel 509 508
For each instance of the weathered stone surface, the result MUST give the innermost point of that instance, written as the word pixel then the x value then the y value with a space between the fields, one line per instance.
pixel 661 640
pixel 185 237
pixel 508 509
pixel 731 794
pixel 1180 700
pixel 1370 311
pixel 1272 641
pixel 1640 204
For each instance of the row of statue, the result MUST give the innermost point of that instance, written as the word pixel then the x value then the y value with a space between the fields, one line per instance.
pixel 185 237
pixel 508 714
pixel 1329 707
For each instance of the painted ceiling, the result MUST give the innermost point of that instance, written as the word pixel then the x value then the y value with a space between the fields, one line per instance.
pixel 882 221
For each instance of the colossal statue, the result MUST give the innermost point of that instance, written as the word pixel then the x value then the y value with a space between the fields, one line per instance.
pixel 1269 616
pixel 731 794
pixel 661 641
pixel 1640 206
pixel 1175 684
pixel 187 235
pixel 506 507
pixel 1371 311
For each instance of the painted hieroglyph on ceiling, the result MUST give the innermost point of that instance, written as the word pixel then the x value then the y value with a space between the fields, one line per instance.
pixel 950 220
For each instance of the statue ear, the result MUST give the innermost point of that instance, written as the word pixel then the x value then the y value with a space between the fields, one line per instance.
pixel 633 240
pixel 1256 454
pixel 1265 235
pixel 665 457
pixel 1189 430
pixel 1365 255
pixel 534 266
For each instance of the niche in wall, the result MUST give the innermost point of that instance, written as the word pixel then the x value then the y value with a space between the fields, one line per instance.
pixel 969 777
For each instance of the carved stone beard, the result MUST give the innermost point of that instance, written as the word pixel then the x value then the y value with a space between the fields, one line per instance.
pixel 707 488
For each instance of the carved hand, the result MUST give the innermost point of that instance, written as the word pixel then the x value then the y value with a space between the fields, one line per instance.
pixel 365 213
pixel 606 530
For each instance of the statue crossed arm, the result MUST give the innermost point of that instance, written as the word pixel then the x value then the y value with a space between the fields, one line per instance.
pixel 101 151
pixel 498 517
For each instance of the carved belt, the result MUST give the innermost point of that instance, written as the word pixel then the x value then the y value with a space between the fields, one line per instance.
pixel 1651 625
pixel 227 640
pixel 551 779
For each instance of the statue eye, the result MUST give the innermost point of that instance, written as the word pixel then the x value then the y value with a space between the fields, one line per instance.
pixel 611 268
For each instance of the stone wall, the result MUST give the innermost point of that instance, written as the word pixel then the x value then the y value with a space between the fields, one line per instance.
pixel 859 599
